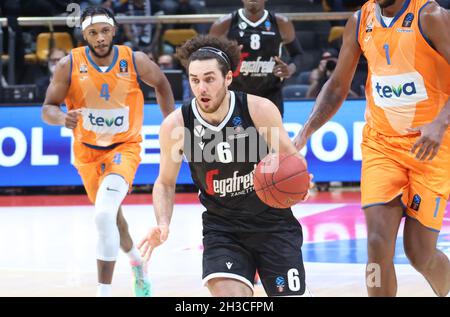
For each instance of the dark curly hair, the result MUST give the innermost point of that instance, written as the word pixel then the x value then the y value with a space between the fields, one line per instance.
pixel 190 51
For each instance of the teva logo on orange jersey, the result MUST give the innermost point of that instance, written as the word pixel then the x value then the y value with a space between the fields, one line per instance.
pixel 388 91
pixel 106 121
pixel 398 90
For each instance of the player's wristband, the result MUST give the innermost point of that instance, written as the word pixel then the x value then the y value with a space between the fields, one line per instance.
pixel 295 52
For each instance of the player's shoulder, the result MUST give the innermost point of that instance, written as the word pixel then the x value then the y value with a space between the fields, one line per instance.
pixel 354 19
pixel 251 99
pixel 171 127
pixel 173 120
pixel 65 61
pixel 366 10
pixel 352 23
pixel 260 107
pixel 284 24
pixel 433 19
pixel 432 10
pixel 220 27
pixel 64 64
pixel 144 64
pixel 78 52
pixel 369 5
pixel 126 51
pixel 140 57
pixel 281 18
pixel 225 19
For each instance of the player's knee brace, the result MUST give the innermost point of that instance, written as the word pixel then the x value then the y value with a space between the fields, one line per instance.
pixel 110 195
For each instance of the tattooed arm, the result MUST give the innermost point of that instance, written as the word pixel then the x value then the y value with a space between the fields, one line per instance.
pixel 336 88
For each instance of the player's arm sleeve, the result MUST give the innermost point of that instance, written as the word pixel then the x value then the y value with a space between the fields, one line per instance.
pixel 290 40
pixel 295 51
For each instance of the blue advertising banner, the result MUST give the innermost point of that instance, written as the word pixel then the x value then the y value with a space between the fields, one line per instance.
pixel 33 153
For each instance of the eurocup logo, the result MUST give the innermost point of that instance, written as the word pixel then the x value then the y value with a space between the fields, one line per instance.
pixel 237 121
pixel 407 21
pixel 123 64
pixel 83 68
pixel 280 283
pixel 237 124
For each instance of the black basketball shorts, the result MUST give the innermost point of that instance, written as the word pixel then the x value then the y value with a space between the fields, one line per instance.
pixel 275 255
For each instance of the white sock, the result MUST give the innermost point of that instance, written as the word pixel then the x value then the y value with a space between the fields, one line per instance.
pixel 103 290
pixel 135 256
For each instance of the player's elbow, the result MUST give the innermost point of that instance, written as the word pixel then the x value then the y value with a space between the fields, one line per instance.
pixel 338 87
pixel 44 113
pixel 163 87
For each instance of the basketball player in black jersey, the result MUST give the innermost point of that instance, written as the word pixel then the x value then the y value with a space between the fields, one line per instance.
pixel 260 33
pixel 223 135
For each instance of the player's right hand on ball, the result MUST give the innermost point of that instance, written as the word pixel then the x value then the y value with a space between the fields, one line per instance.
pixel 155 237
pixel 72 118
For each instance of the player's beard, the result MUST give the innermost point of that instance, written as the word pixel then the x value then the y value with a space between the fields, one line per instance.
pixel 92 49
pixel 386 3
pixel 213 108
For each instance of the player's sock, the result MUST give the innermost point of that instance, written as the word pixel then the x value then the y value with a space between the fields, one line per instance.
pixel 134 256
pixel 103 290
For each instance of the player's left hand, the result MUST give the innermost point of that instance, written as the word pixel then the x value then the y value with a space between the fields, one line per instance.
pixel 281 69
pixel 300 140
pixel 311 185
pixel 427 145
pixel 155 237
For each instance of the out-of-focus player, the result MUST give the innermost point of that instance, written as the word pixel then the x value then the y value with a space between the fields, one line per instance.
pixel 261 35
pixel 99 85
pixel 406 141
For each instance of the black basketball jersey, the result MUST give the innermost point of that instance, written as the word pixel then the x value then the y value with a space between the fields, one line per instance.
pixel 222 158
pixel 261 42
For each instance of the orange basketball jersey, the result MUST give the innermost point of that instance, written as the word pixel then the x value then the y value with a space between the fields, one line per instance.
pixel 408 81
pixel 112 101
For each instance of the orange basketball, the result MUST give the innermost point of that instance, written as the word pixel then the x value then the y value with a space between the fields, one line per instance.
pixel 281 180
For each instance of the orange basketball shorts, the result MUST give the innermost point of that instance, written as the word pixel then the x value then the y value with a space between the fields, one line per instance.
pixel 94 164
pixel 390 170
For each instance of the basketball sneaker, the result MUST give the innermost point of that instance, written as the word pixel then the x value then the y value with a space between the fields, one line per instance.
pixel 141 283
